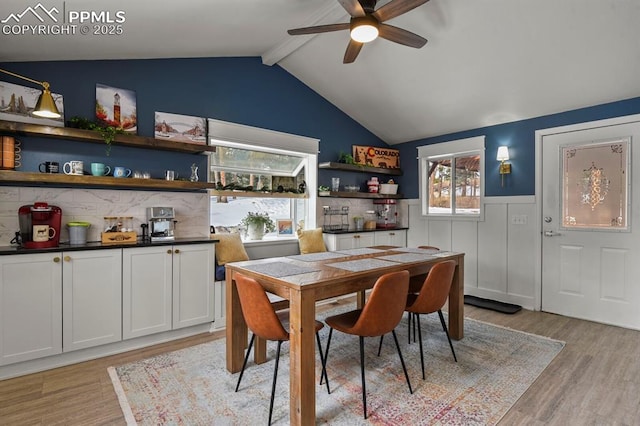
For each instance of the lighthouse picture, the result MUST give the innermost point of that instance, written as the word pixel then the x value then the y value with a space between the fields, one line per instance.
pixel 116 107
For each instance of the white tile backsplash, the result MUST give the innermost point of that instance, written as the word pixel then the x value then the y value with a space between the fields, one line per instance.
pixel 91 205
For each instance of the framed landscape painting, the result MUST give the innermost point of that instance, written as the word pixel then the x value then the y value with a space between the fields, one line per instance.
pixel 181 128
pixel 284 227
pixel 117 108
pixel 18 102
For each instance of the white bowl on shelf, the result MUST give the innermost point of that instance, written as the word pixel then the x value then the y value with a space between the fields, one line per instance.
pixel 388 188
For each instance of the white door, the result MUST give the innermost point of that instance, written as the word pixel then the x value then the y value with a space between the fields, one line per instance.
pixel 192 284
pixel 591 224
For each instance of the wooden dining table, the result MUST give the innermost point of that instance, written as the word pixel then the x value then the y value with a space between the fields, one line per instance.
pixel 306 279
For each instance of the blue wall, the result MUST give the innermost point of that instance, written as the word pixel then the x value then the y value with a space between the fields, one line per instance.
pixel 245 91
pixel 519 136
pixel 240 90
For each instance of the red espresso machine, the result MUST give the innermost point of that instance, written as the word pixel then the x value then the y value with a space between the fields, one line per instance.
pixel 40 225
pixel 387 213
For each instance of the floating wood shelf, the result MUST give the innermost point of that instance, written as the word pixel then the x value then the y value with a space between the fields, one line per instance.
pixel 256 194
pixel 92 136
pixel 343 194
pixel 8 177
pixel 355 168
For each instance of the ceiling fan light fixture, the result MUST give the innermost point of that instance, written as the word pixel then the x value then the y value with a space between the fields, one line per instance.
pixel 364 29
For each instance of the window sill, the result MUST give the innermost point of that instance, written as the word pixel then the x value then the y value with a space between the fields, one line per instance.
pixel 270 241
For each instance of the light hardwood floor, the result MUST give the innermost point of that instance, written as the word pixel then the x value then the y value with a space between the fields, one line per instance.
pixel 595 380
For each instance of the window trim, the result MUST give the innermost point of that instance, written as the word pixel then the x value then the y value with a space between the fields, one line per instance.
pixel 451 149
pixel 240 135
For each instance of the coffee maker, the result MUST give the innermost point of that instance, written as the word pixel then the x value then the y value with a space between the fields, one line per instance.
pixel 40 225
pixel 161 223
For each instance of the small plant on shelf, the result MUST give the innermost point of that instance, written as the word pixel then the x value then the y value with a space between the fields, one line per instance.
pixel 108 133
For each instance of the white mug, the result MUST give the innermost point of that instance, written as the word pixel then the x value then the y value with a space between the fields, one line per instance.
pixel 43 233
pixel 73 168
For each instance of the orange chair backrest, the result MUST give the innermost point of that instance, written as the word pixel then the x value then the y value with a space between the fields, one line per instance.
pixel 260 316
pixel 383 311
pixel 435 289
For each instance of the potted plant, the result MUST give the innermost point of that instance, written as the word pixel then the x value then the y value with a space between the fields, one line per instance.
pixel 257 224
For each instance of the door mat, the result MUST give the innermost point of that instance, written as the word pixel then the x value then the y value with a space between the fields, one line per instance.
pixel 494 305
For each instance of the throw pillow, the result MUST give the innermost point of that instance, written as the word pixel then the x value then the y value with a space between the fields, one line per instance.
pixel 310 241
pixel 229 248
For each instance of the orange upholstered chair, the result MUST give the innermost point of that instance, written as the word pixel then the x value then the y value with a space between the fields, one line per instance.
pixel 264 322
pixel 380 315
pixel 432 298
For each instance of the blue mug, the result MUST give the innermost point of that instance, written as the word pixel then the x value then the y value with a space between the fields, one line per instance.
pixel 121 172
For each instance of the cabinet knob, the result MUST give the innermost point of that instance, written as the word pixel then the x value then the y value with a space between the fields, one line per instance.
pixel 56 259
pixel 392 233
pixel 169 252
pixel 67 258
pixel 177 251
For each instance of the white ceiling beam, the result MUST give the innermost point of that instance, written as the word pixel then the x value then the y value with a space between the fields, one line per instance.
pixel 330 13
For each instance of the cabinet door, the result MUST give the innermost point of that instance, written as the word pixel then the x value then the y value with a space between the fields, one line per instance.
pixel 146 290
pixel 391 238
pixel 345 241
pixel 30 306
pixel 92 298
pixel 192 284
pixel 366 239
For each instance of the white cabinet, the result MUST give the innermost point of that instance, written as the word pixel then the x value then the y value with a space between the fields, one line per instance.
pixel 193 276
pixel 351 240
pixel 391 237
pixel 166 287
pixel 146 290
pixel 348 241
pixel 92 298
pixel 30 306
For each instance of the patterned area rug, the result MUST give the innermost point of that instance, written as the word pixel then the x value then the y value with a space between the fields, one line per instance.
pixel 495 367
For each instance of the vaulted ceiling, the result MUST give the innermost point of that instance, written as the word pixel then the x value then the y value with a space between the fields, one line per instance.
pixel 486 61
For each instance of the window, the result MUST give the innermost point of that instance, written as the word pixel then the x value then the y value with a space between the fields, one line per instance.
pixel 451 177
pixel 272 172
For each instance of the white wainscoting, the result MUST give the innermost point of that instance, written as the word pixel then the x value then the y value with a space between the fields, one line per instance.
pixel 500 258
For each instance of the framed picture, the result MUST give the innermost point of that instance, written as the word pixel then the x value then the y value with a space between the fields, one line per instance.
pixel 284 227
pixel 18 102
pixel 181 128
pixel 116 107
pixel 375 156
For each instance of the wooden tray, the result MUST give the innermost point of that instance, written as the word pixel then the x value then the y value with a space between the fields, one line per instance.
pixel 119 237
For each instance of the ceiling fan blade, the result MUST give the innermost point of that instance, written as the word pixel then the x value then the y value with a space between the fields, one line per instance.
pixel 353 7
pixel 353 49
pixel 396 8
pixel 319 29
pixel 401 36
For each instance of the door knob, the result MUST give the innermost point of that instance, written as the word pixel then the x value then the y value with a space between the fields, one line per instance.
pixel 177 251
pixel 67 258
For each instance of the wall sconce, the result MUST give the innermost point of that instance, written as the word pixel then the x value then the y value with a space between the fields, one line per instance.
pixel 505 168
pixel 45 106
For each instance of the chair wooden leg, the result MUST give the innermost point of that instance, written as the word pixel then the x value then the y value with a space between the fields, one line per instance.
pixel 275 379
pixel 324 365
pixel 244 364
pixel 444 327
pixel 404 368
pixel 364 386
pixel 421 351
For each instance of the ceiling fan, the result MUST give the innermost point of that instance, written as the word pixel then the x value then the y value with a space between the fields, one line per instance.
pixel 367 24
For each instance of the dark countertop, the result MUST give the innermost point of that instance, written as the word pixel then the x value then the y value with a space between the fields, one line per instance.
pixel 6 250
pixel 353 231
